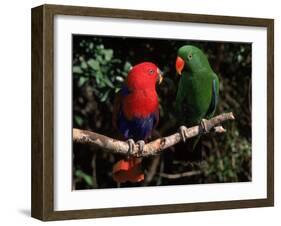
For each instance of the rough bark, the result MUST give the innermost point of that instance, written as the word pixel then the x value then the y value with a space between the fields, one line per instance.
pixel 154 147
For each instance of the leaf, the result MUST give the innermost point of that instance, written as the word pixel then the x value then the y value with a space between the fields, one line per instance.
pixel 127 66
pixel 108 82
pixel 100 59
pixel 77 70
pixel 239 58
pixel 78 120
pixel 84 65
pixel 91 45
pixel 82 81
pixel 101 46
pixel 104 97
pixel 94 64
pixel 84 176
pixel 119 78
pixel 108 54
pixel 98 77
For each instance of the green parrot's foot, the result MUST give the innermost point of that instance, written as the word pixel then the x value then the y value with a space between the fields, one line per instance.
pixel 203 126
pixel 182 132
pixel 131 144
pixel 141 144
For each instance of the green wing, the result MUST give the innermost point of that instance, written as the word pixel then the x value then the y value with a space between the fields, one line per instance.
pixel 212 107
pixel 215 96
pixel 180 103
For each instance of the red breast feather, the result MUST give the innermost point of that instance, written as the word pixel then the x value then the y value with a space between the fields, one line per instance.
pixel 140 104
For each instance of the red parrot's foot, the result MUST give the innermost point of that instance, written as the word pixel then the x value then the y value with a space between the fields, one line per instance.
pixel 128 170
pixel 141 144
pixel 131 144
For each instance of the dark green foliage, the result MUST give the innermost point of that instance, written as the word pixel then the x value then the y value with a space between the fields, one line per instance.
pixel 100 65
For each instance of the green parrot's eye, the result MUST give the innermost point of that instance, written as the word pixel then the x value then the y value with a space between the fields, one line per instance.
pixel 189 56
pixel 151 72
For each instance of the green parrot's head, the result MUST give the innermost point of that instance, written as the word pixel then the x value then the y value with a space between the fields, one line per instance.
pixel 191 59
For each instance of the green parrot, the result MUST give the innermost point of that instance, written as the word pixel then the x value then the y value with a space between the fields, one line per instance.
pixel 198 89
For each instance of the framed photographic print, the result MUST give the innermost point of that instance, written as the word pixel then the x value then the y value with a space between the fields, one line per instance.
pixel 141 112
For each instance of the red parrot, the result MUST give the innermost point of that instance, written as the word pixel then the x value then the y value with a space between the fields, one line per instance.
pixel 135 115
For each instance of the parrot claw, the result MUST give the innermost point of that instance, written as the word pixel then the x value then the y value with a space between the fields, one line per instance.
pixel 182 131
pixel 131 144
pixel 141 144
pixel 204 127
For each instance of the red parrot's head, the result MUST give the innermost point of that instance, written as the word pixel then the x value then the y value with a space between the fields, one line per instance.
pixel 144 76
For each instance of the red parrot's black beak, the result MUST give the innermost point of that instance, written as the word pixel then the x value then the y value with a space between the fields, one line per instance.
pixel 179 65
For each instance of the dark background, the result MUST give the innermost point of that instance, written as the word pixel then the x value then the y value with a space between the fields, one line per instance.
pixel 100 65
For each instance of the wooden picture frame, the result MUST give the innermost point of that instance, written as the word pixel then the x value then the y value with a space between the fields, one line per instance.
pixel 43 111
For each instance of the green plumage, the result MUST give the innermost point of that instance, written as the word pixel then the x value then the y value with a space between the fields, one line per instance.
pixel 198 89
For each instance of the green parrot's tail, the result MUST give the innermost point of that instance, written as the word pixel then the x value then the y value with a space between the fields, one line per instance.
pixel 195 142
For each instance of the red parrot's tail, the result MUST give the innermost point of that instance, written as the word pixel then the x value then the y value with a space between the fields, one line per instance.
pixel 128 170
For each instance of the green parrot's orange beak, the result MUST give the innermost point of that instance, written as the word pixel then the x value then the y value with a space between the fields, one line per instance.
pixel 179 65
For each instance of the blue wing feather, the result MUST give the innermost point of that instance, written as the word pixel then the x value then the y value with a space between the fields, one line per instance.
pixel 124 91
pixel 136 128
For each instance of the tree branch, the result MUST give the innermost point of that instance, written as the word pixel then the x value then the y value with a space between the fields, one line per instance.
pixel 180 175
pixel 152 148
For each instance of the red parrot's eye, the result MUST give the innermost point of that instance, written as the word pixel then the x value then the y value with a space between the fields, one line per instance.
pixel 151 72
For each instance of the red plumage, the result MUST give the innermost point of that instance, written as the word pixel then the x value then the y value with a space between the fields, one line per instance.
pixel 136 113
